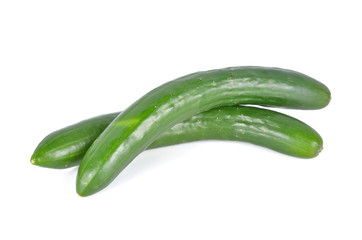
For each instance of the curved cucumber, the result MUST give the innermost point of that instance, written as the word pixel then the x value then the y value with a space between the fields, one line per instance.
pixel 160 109
pixel 66 147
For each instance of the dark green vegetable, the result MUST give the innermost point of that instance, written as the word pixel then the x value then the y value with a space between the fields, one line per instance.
pixel 144 121
pixel 66 147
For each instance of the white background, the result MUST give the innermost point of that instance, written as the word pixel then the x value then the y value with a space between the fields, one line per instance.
pixel 65 61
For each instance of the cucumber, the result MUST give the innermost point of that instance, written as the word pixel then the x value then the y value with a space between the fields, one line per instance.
pixel 66 147
pixel 160 109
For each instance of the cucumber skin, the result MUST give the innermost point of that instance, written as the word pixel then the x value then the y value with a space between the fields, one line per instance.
pixel 160 109
pixel 66 147
pixel 262 127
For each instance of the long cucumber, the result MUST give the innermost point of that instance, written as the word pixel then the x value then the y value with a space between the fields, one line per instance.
pixel 66 147
pixel 139 125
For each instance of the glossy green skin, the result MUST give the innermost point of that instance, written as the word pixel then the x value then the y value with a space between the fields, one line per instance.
pixel 262 127
pixel 66 147
pixel 160 109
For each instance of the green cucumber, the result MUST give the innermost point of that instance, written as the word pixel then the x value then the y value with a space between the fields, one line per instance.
pixel 66 147
pixel 143 122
